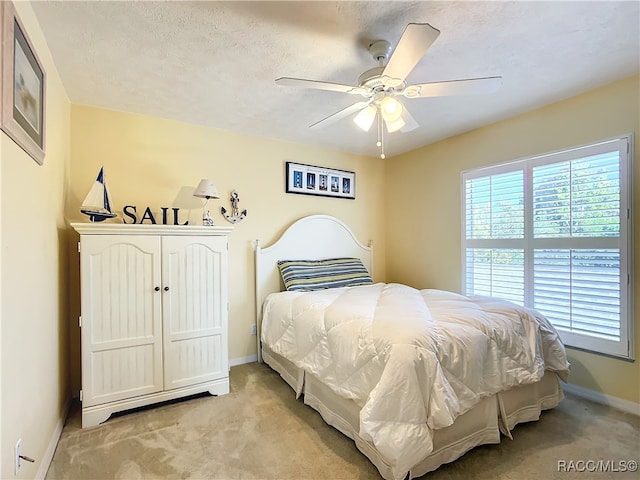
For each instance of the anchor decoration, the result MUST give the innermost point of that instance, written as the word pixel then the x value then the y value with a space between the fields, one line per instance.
pixel 235 215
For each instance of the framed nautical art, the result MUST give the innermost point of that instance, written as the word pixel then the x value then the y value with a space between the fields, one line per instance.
pixel 314 180
pixel 23 86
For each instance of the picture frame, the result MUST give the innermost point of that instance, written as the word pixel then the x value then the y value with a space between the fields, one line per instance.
pixel 22 86
pixel 322 181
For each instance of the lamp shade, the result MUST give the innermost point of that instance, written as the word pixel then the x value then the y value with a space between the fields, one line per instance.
pixel 391 109
pixel 365 118
pixel 206 189
pixel 394 125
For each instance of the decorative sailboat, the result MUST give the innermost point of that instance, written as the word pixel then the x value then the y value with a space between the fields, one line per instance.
pixel 97 203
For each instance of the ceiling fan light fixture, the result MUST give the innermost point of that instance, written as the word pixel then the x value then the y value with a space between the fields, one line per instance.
pixel 394 125
pixel 365 118
pixel 391 109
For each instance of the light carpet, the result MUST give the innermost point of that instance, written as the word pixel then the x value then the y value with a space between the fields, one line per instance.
pixel 260 431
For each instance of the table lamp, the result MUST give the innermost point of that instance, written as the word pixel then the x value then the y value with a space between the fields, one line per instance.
pixel 206 189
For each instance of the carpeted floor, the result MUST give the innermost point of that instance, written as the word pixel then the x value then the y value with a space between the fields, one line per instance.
pixel 260 431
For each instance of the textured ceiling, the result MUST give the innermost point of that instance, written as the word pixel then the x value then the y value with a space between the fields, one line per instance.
pixel 214 63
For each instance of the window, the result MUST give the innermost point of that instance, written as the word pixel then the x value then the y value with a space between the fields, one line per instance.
pixel 553 232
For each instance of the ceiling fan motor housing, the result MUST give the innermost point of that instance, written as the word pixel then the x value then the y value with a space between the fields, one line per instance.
pixel 380 49
pixel 373 78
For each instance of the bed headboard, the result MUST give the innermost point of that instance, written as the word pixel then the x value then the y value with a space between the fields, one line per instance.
pixel 311 238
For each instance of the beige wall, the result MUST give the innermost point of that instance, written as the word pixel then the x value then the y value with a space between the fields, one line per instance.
pixel 423 207
pixel 154 162
pixel 33 279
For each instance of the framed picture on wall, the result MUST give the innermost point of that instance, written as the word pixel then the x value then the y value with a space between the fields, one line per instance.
pixel 322 181
pixel 23 86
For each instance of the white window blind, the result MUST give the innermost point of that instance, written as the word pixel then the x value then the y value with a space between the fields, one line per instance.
pixel 553 232
pixel 495 205
pixel 496 272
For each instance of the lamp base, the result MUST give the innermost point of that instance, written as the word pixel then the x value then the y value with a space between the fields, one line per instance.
pixel 207 221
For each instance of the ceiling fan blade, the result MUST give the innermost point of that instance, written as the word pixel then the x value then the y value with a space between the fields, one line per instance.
pixel 336 87
pixel 409 122
pixel 415 41
pixel 345 112
pixel 470 86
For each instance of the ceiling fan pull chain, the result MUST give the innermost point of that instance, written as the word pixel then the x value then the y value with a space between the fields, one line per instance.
pixel 379 142
pixel 380 134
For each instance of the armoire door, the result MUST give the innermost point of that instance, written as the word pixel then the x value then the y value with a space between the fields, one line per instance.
pixel 121 317
pixel 194 272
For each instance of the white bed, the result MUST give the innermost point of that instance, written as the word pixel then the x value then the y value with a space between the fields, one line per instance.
pixel 321 237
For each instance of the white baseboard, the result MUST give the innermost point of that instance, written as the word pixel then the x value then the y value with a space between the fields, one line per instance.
pixel 47 457
pixel 603 398
pixel 234 362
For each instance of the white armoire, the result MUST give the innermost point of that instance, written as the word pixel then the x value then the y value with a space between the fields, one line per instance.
pixel 154 308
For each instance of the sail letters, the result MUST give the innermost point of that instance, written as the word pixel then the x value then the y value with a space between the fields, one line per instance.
pixel 148 217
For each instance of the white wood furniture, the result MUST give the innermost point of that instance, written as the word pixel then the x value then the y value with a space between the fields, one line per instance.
pixel 154 306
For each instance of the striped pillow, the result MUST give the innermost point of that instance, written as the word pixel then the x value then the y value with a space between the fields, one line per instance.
pixel 307 275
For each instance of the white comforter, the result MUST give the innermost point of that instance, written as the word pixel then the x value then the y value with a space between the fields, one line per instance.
pixel 413 360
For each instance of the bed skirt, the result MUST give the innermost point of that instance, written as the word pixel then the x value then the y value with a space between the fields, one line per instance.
pixel 483 424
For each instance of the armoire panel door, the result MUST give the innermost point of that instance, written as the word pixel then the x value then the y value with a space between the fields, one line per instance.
pixel 121 317
pixel 194 272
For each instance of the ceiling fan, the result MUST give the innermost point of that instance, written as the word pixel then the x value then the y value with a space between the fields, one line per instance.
pixel 380 86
